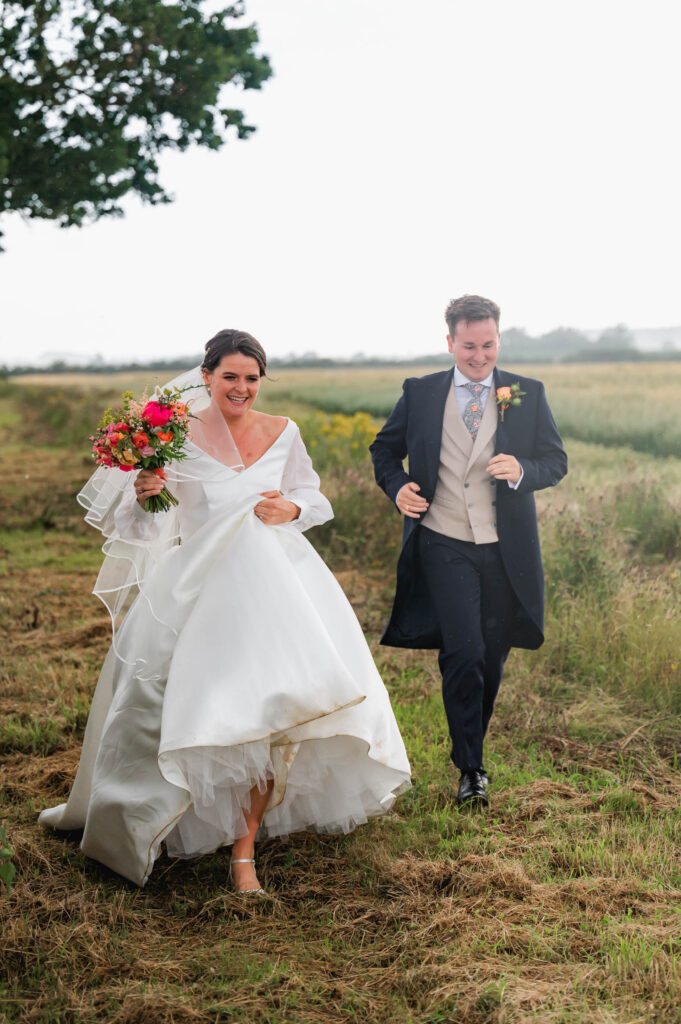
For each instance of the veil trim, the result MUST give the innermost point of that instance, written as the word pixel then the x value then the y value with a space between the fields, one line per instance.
pixel 128 561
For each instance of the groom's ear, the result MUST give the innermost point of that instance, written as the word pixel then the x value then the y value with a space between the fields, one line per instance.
pixel 450 343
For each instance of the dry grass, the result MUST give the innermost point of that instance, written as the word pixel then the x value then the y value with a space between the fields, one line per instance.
pixel 563 904
pixel 368 928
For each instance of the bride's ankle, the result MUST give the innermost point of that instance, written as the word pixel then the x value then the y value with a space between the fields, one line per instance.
pixel 243 850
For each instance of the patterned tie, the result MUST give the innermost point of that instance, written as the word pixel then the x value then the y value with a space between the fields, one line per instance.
pixel 472 414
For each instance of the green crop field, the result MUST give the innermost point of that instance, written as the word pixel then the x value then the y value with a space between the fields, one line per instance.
pixel 622 403
pixel 562 904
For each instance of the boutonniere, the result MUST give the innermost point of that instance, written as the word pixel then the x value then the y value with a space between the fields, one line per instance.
pixel 508 396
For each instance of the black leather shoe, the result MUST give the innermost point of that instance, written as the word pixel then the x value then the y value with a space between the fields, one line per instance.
pixel 473 789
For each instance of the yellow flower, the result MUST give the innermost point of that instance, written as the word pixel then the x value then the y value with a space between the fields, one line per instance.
pixel 129 457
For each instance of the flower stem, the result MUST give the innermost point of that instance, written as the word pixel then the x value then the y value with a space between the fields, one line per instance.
pixel 161 502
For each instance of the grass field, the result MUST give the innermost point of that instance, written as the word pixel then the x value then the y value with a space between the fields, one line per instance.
pixel 562 904
pixel 633 404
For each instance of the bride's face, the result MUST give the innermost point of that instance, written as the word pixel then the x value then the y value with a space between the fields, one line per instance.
pixel 234 384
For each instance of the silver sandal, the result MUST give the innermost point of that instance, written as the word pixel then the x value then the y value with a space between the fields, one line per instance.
pixel 244 892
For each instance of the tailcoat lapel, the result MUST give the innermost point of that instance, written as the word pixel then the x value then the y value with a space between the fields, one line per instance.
pixel 434 416
pixel 501 379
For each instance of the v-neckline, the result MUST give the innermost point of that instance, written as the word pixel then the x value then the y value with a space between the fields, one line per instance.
pixel 268 449
pixel 245 468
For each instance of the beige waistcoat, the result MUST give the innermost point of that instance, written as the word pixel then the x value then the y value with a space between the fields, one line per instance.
pixel 463 505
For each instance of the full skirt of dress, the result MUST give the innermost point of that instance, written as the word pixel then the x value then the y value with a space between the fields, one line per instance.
pixel 240 661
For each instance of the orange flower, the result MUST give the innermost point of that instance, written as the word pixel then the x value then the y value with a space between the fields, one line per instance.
pixel 165 436
pixel 507 396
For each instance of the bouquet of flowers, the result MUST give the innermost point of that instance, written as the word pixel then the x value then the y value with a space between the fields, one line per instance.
pixel 144 435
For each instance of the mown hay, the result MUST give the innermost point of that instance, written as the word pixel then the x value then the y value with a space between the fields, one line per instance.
pixel 559 906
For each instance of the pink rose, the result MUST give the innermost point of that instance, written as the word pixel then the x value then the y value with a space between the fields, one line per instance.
pixel 156 414
pixel 504 394
pixel 146 451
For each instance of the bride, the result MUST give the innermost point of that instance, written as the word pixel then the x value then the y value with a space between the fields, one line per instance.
pixel 239 698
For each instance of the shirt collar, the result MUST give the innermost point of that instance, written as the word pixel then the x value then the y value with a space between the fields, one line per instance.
pixel 460 379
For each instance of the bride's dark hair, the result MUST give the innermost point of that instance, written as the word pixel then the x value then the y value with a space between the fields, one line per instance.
pixel 226 343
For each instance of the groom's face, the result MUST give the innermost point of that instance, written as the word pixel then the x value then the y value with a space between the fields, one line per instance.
pixel 475 347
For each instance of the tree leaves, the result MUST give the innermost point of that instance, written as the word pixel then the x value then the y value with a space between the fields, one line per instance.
pixel 91 93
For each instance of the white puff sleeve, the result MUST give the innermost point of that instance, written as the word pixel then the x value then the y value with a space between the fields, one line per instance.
pixel 134 523
pixel 300 484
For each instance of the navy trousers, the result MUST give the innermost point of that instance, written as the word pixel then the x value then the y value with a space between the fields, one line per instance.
pixel 475 606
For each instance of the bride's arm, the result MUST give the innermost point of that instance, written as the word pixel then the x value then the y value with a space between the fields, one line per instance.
pixel 300 484
pixel 133 522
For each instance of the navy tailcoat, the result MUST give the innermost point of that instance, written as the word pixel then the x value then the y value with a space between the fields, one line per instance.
pixel 414 431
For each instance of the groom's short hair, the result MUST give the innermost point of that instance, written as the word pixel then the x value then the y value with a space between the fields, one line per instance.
pixel 470 307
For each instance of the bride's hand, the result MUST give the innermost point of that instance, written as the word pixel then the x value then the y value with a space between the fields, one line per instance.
pixel 146 485
pixel 275 509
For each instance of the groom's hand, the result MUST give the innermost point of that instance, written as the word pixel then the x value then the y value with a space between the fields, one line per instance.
pixel 505 467
pixel 409 501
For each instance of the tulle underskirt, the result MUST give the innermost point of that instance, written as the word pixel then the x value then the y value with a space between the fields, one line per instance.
pixel 326 785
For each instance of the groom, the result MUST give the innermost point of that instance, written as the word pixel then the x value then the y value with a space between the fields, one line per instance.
pixel 470 582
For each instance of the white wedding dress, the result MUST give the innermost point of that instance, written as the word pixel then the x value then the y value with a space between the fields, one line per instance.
pixel 239 661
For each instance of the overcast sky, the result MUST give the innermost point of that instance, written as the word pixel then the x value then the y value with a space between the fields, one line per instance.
pixel 406 153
